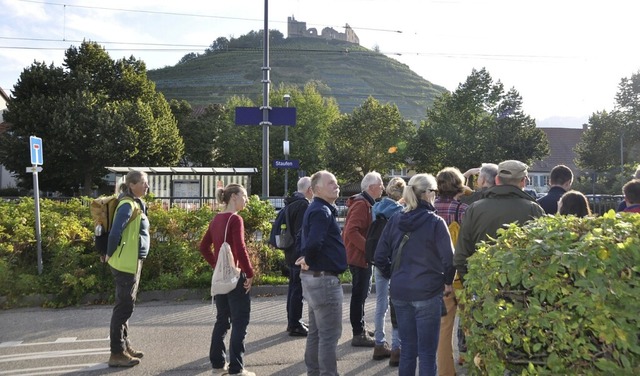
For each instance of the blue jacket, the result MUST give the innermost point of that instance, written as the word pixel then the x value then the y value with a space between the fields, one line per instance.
pixel 321 244
pixel 387 207
pixel 426 262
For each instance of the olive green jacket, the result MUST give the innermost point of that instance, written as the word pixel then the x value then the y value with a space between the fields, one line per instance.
pixel 501 205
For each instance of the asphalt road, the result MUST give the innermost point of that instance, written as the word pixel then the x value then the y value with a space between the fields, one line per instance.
pixel 174 335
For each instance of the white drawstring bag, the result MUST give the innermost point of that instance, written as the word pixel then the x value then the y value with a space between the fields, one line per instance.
pixel 226 274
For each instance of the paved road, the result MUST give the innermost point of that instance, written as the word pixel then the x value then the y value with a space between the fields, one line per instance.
pixel 174 336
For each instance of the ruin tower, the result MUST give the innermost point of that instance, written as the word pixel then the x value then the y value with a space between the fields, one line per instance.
pixel 296 29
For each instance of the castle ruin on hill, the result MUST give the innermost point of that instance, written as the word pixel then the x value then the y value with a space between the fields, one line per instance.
pixel 297 29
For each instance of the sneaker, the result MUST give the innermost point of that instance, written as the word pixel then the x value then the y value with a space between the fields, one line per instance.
pixel 244 372
pixel 299 331
pixel 394 360
pixel 363 340
pixel 134 353
pixel 122 359
pixel 381 351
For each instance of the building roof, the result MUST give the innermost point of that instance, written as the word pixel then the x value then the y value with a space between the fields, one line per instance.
pixel 562 141
pixel 187 170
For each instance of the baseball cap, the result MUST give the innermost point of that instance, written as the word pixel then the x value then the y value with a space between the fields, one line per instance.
pixel 512 169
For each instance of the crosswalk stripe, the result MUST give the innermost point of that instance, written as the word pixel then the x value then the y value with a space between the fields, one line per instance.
pixel 57 341
pixel 55 369
pixel 53 354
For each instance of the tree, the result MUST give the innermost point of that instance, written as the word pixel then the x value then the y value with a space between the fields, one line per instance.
pixel 221 44
pixel 477 123
pixel 241 146
pixel 188 57
pixel 95 113
pixel 199 132
pixel 609 134
pixel 373 137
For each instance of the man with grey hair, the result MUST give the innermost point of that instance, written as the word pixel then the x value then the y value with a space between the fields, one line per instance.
pixel 504 203
pixel 295 207
pixel 354 235
pixel 486 179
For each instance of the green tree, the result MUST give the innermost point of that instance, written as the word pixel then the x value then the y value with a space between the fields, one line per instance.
pixel 241 146
pixel 93 113
pixel 373 137
pixel 479 122
pixel 609 132
pixel 199 131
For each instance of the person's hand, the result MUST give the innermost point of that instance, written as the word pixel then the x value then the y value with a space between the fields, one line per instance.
pixel 471 171
pixel 448 289
pixel 247 284
pixel 302 264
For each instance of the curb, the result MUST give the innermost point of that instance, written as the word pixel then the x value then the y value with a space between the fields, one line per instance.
pixel 178 295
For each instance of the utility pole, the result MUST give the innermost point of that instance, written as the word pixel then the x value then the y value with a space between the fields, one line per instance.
pixel 285 148
pixel 266 81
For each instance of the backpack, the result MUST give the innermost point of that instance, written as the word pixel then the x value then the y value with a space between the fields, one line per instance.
pixel 454 230
pixel 281 236
pixel 373 235
pixel 454 227
pixel 226 274
pixel 103 211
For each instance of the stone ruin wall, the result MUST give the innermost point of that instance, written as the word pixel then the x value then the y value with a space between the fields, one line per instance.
pixel 299 29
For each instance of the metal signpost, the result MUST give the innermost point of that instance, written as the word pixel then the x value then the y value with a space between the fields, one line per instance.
pixel 36 159
pixel 265 115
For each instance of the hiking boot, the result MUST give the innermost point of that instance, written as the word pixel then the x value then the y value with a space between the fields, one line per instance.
pixel 394 360
pixel 134 353
pixel 363 340
pixel 122 359
pixel 381 351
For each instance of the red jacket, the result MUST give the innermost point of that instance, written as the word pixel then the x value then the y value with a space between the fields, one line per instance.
pixel 356 225
pixel 215 235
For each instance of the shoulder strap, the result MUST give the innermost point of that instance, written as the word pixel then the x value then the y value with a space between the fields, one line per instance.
pixel 134 208
pixel 457 216
pixel 396 261
pixel 227 227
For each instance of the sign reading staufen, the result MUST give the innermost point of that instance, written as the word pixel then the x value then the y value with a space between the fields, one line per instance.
pixel 286 163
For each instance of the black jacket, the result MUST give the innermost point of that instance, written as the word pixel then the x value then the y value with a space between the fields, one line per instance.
pixel 295 207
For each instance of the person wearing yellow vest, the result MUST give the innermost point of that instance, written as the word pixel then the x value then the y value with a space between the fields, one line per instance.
pixel 128 246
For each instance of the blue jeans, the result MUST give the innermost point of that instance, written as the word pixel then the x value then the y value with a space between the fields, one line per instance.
pixel 382 307
pixel 360 289
pixel 324 302
pixel 232 311
pixel 294 298
pixel 419 326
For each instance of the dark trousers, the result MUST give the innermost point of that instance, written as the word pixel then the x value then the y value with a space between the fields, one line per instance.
pixel 126 292
pixel 232 312
pixel 360 289
pixel 294 298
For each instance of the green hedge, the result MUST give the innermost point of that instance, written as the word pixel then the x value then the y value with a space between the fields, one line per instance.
pixel 71 266
pixel 558 296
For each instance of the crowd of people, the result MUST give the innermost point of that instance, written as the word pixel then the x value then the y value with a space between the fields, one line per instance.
pixel 415 262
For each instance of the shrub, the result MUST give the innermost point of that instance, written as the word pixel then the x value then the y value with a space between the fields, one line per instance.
pixel 557 296
pixel 71 266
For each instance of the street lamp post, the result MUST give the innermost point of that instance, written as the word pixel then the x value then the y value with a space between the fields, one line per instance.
pixel 285 147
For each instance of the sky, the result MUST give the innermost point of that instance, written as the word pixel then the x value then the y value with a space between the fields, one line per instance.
pixel 565 57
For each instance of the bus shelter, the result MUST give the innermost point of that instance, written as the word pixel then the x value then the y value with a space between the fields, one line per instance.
pixel 188 187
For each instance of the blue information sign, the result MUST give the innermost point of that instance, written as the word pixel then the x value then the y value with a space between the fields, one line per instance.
pixel 286 163
pixel 277 116
pixel 36 150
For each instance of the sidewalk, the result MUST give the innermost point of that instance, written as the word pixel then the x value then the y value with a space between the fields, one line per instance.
pixel 270 351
